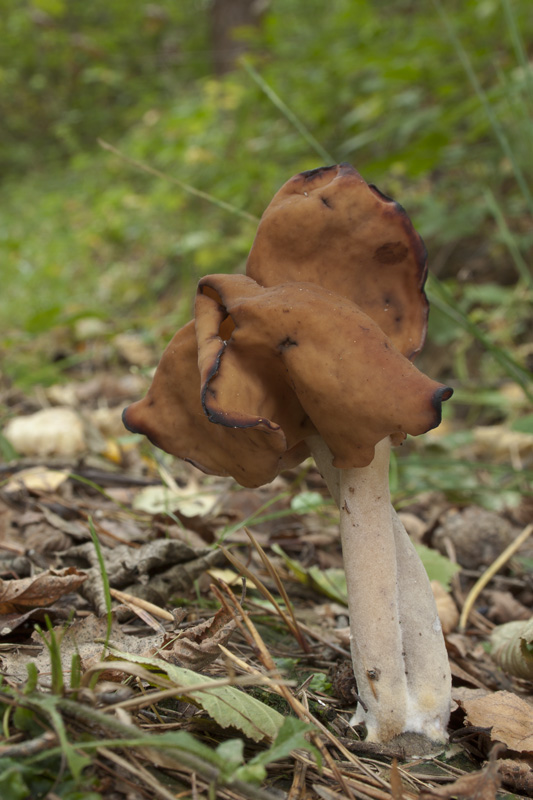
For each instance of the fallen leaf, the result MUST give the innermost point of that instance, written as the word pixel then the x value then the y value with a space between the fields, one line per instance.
pixel 36 479
pixel 197 647
pixel 509 717
pixel 446 608
pixel 154 571
pixel 517 774
pixel 162 499
pixel 51 431
pixel 227 705
pixel 41 590
pixel 460 694
pixel 504 607
pixel 482 785
pixel 83 637
pixel 10 622
pixel 512 648
pixel 396 781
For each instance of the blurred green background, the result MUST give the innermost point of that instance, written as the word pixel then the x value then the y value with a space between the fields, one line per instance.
pixel 432 102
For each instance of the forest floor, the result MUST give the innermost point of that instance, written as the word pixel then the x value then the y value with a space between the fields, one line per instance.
pixel 220 614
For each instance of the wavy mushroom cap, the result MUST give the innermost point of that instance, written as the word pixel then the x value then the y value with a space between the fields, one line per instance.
pixel 329 227
pixel 306 359
pixel 171 417
pixel 317 338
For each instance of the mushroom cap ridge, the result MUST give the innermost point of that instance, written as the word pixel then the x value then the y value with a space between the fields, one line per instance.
pixel 352 385
pixel 297 241
pixel 329 227
pixel 172 418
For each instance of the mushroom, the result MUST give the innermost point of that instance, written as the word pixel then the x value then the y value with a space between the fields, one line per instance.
pixel 329 226
pixel 284 361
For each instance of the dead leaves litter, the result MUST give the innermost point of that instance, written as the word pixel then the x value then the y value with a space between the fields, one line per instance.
pixel 482 785
pixel 39 590
pixel 509 717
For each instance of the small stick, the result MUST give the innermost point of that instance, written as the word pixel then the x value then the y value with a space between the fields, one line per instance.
pixel 489 573
pixel 130 599
pixel 281 589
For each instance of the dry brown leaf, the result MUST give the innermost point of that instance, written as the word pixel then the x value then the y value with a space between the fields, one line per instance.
pixel 84 636
pixel 462 694
pixel 481 785
pixel 517 774
pixel 509 716
pixel 396 781
pixel 504 607
pixel 446 608
pixel 154 571
pixel 36 479
pixel 199 646
pixel 87 635
pixel 41 590
pixel 464 675
pixel 10 622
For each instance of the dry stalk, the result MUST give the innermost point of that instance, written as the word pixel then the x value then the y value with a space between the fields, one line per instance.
pixel 281 589
pixel 490 572
pixel 266 659
pixel 243 569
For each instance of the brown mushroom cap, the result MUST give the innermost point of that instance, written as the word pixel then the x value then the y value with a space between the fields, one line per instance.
pixel 171 416
pixel 317 339
pixel 305 359
pixel 329 227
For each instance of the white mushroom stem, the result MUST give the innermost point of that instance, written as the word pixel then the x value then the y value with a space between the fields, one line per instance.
pixel 398 651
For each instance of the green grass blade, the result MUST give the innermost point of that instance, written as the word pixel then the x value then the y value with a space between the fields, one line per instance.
pixel 441 298
pixel 326 157
pixel 508 238
pixel 483 99
pixel 238 212
pixel 519 48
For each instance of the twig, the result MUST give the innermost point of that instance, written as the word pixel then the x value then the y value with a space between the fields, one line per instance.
pixel 243 569
pixel 138 773
pixel 130 599
pixel 281 589
pixel 294 703
pixel 489 573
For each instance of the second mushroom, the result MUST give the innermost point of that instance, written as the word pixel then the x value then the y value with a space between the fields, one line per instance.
pixel 311 352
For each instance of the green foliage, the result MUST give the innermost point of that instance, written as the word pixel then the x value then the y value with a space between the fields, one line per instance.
pixel 307 502
pixel 19 780
pixel 225 704
pixel 320 683
pixel 438 567
pixel 291 736
pixel 70 72
pixel 328 582
pixel 332 582
pixel 398 110
pixel 65 767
